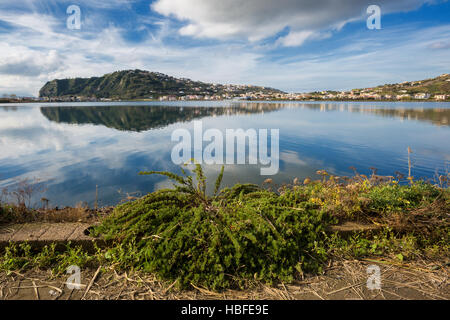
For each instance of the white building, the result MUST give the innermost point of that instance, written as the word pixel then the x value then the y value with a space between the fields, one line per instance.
pixel 422 96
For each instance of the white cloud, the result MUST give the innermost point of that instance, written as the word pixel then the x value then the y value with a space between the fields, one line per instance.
pixel 440 45
pixel 31 137
pixel 295 39
pixel 40 49
pixel 25 62
pixel 365 62
pixel 259 19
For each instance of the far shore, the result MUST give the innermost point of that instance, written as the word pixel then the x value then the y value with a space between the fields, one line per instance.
pixel 8 102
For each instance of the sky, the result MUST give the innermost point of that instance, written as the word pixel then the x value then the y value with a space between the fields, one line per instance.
pixel 292 45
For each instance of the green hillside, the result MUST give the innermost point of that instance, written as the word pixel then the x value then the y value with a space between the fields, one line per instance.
pixel 138 84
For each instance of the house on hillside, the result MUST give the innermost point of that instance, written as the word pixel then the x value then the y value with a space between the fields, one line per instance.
pixel 422 96
pixel 403 96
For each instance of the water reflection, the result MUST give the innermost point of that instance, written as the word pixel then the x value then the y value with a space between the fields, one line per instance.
pixel 73 149
pixel 437 116
pixel 143 118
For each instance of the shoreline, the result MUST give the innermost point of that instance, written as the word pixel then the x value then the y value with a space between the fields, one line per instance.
pixel 365 220
pixel 223 100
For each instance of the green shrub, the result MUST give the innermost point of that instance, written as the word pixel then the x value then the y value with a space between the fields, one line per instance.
pixel 16 257
pixel 241 233
pixel 395 198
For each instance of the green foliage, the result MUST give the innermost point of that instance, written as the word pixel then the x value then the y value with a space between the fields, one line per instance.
pixel 133 84
pixel 395 198
pixel 362 197
pixel 241 233
pixel 124 255
pixel 246 233
pixel 389 243
pixel 21 256
pixel 16 257
pixel 73 256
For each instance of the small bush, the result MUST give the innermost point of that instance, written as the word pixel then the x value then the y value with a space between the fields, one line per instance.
pixel 241 233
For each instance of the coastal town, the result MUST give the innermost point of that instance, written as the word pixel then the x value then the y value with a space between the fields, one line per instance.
pixel 405 91
pixel 363 95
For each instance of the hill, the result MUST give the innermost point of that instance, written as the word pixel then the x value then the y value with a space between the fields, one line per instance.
pixel 434 86
pixel 434 89
pixel 139 84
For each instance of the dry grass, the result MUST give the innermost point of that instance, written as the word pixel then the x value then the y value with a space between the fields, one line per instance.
pixel 79 213
pixel 342 280
pixel 423 220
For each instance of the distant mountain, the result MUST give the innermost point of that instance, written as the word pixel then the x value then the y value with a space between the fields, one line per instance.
pixel 139 84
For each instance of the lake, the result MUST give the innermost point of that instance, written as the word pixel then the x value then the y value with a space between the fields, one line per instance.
pixel 81 152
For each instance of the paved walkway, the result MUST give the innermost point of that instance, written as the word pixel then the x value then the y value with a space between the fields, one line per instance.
pixel 41 234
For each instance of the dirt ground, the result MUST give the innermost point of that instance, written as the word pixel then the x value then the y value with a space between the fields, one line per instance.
pixel 342 280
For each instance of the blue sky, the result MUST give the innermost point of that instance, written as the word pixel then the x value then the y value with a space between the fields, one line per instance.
pixel 293 45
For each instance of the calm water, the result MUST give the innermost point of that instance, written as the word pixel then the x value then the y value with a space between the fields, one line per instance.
pixel 72 148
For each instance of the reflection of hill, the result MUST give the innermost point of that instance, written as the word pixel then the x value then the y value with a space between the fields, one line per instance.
pixel 437 116
pixel 142 118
